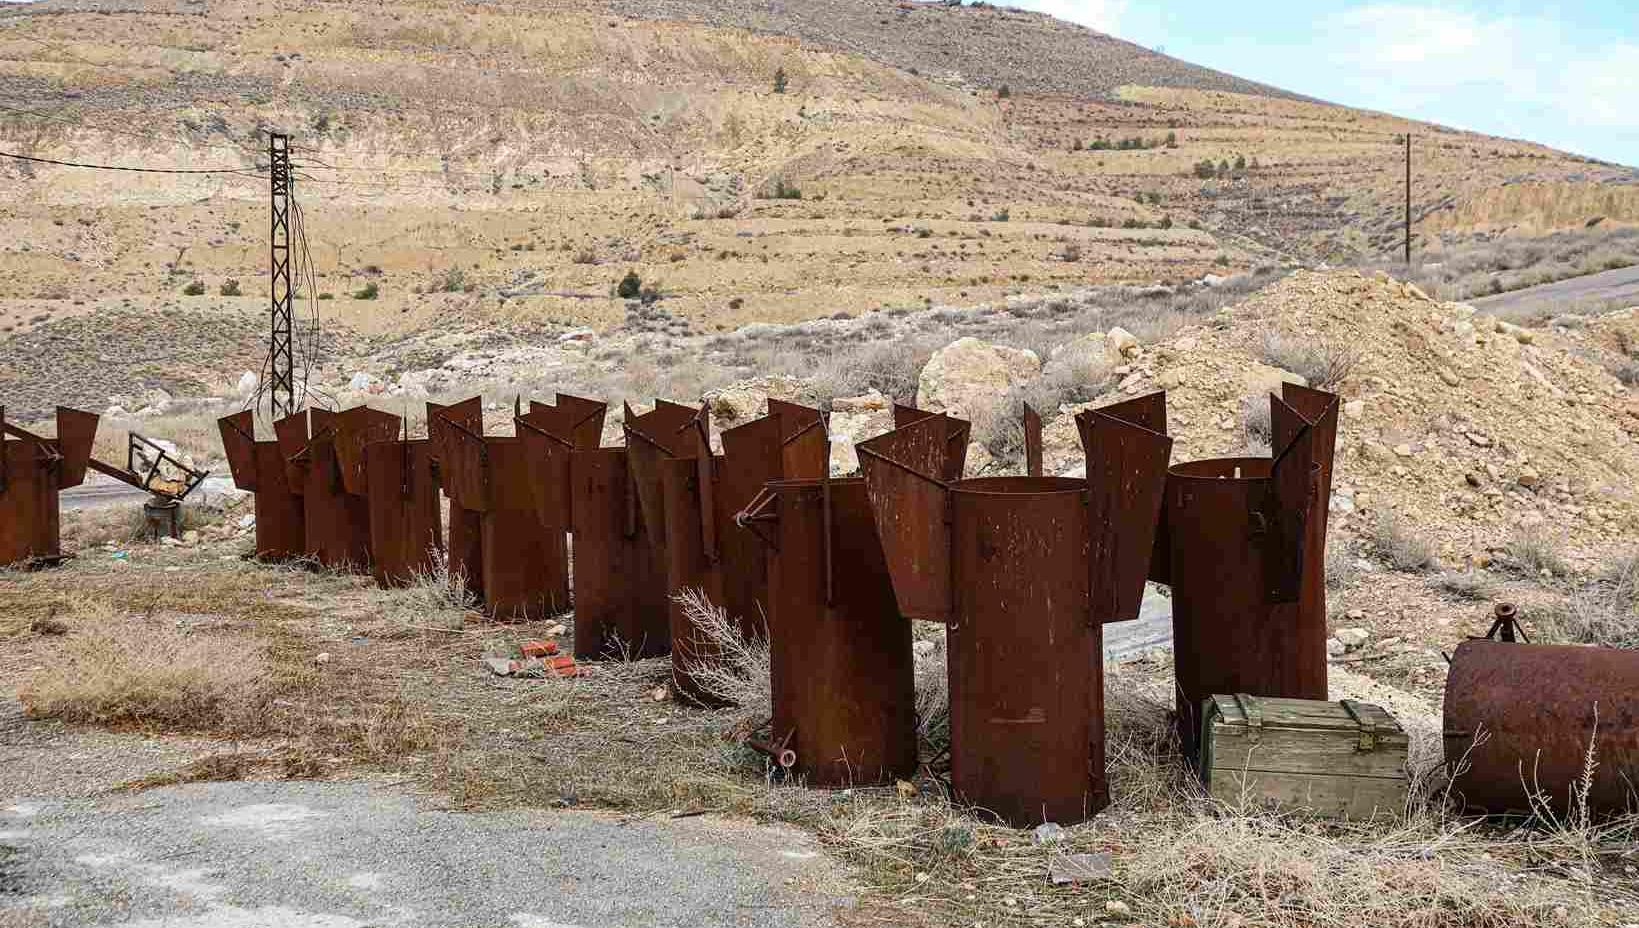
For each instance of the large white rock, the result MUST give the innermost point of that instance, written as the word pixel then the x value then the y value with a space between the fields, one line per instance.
pixel 969 377
pixel 847 428
pixel 247 384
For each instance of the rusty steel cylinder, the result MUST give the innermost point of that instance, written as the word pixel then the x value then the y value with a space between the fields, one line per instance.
pixel 29 517
pixel 841 664
pixel 281 532
pixel 620 579
pixel 1228 637
pixel 337 522
pixel 1523 717
pixel 1026 661
pixel 405 536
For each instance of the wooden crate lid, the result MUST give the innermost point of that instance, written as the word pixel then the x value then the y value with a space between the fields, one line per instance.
pixel 1301 736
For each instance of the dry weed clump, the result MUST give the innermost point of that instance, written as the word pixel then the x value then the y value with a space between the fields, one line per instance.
pixel 1534 552
pixel 1601 611
pixel 1398 545
pixel 143 676
pixel 436 600
pixel 1323 363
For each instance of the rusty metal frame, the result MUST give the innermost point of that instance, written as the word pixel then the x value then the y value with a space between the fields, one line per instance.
pixel 958 433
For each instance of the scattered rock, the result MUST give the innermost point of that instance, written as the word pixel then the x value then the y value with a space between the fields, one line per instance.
pixel 969 377
pixel 1353 638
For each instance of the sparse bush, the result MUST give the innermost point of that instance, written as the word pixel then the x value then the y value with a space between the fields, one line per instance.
pixel 1172 140
pixel 1400 548
pixel 891 367
pixel 1001 429
pixel 630 286
pixel 1603 611
pixel 327 296
pixel 780 80
pixel 650 295
pixel 369 292
pixel 1532 551
pixel 194 288
pixel 1004 92
pixel 585 256
pixel 1257 429
pixel 1001 215
pixel 780 190
pixel 1466 586
pixel 230 287
pixel 1324 363
pixel 455 279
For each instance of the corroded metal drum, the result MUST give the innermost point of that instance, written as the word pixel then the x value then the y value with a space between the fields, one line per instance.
pixel 1524 717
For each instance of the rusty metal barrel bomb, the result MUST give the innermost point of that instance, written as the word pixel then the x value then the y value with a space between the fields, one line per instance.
pixel 1013 571
pixel 337 522
pixel 1523 716
pixel 841 665
pixel 620 581
pixel 259 468
pixel 405 534
pixel 1026 665
pixel 33 472
pixel 465 551
pixel 1245 557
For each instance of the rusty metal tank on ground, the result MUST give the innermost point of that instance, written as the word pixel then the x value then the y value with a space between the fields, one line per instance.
pixel 1522 717
pixel 841 665
pixel 258 467
pixel 1012 571
pixel 1244 553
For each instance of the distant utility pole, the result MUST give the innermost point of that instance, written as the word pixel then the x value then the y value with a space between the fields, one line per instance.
pixel 1408 199
pixel 281 350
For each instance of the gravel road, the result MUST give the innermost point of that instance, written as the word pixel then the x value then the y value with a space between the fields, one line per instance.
pixel 357 854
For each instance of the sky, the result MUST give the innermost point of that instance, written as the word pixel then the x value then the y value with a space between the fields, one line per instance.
pixel 1563 74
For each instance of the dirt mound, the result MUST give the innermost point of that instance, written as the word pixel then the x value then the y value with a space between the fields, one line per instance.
pixel 1464 428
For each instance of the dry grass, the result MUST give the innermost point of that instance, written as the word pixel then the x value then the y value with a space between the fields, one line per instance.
pixel 1323 363
pixel 433 601
pixel 1398 545
pixel 1535 552
pixel 155 677
pixel 421 706
pixel 1603 610
pixel 1487 266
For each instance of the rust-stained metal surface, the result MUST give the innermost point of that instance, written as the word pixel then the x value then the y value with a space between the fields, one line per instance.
pixel 663 432
pixel 841 665
pixel 291 434
pixel 465 550
pixel 1032 442
pixel 337 522
pixel 1246 567
pixel 688 566
pixel 239 446
pixel 525 564
pixel 405 534
pixel 753 455
pixel 29 516
pixel 356 429
pixel 549 434
pixel 910 502
pixel 1126 450
pixel 806 446
pixel 620 581
pixel 1540 707
pixel 281 528
pixel 76 433
pixel 958 432
pixel 1026 664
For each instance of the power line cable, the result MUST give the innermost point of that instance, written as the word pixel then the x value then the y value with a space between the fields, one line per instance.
pixel 246 172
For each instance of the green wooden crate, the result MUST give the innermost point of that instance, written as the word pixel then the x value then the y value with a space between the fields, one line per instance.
pixel 1345 759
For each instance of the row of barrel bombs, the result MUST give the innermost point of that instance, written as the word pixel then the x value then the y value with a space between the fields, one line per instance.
pixel 1023 571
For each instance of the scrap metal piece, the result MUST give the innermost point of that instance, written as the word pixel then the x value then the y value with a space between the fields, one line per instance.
pixel 806 445
pixel 291 435
pixel 688 566
pixel 1126 450
pixel 356 429
pixel 1032 442
pixel 621 608
pixel 958 432
pixel 841 665
pixel 239 445
pixel 909 499
pixel 406 539
pixel 525 564
pixel 1523 719
pixel 29 516
pixel 76 433
pixel 281 526
pixel 1246 567
pixel 465 552
pixel 337 522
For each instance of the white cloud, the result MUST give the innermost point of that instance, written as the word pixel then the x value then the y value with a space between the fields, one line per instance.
pixel 1511 75
pixel 1103 15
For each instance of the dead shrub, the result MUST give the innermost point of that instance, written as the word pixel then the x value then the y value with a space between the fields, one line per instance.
pixel 732 666
pixel 155 678
pixel 1533 551
pixel 1324 363
pixel 1001 429
pixel 1399 547
pixel 1602 611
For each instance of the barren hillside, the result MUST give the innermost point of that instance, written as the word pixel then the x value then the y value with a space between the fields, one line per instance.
pixel 514 161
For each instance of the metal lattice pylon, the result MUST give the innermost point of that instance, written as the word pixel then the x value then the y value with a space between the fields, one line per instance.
pixel 281 348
